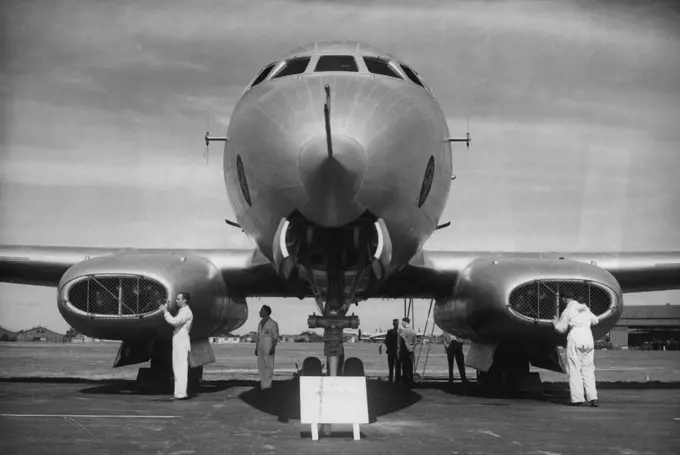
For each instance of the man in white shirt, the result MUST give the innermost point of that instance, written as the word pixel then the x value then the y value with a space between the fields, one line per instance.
pixel 265 349
pixel 181 342
pixel 407 347
pixel 577 319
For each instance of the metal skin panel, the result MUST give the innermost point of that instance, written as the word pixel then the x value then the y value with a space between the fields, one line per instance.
pixel 479 309
pixel 210 303
pixel 397 124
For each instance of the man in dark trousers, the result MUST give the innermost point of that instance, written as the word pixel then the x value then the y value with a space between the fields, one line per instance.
pixel 454 350
pixel 392 345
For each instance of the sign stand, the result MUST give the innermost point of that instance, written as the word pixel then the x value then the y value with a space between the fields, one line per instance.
pixel 325 400
pixel 356 432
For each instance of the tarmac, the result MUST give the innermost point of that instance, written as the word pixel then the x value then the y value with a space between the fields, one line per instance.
pixel 56 415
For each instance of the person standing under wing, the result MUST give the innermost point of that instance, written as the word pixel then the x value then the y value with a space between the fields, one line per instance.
pixel 454 350
pixel 181 343
pixel 267 338
pixel 577 319
pixel 407 350
pixel 392 347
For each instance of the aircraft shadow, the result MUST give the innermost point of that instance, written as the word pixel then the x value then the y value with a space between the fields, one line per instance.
pixel 283 401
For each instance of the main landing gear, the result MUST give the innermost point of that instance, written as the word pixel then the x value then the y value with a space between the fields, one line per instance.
pixel 334 351
pixel 334 320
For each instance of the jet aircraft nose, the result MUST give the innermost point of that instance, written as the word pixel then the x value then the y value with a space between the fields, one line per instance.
pixel 332 180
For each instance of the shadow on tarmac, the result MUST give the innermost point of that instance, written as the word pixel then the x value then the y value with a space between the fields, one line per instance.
pixel 283 401
pixel 383 397
pixel 132 388
pixel 551 392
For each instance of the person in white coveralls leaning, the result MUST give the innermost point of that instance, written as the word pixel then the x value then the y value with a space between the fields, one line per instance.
pixel 181 343
pixel 577 319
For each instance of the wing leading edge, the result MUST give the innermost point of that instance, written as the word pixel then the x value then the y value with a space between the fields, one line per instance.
pixel 429 274
pixel 246 272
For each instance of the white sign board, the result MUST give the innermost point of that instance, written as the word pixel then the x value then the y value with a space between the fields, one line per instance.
pixel 333 399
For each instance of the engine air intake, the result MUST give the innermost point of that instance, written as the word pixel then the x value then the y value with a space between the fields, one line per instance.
pixel 119 296
pixel 540 299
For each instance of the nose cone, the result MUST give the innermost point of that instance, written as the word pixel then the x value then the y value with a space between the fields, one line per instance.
pixel 332 182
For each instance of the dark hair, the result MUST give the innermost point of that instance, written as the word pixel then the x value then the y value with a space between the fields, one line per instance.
pixel 186 296
pixel 567 293
pixel 406 319
pixel 267 309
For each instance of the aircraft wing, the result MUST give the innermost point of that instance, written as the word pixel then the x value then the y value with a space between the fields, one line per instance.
pixel 432 274
pixel 429 274
pixel 246 272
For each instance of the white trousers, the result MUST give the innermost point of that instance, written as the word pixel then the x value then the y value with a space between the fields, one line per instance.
pixel 181 347
pixel 580 359
pixel 265 363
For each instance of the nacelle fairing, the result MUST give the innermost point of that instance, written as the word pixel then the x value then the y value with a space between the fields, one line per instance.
pixel 497 300
pixel 117 297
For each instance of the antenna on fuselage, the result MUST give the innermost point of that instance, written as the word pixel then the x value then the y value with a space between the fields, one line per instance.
pixel 467 141
pixel 208 139
pixel 467 138
pixel 327 120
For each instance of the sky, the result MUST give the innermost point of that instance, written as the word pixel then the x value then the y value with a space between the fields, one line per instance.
pixel 573 109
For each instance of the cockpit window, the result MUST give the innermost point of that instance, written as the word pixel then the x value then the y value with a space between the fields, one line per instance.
pixel 336 63
pixel 412 75
pixel 263 75
pixel 379 66
pixel 293 66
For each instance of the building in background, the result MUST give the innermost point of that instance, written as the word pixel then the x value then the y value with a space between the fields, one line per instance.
pixel 654 327
pixel 40 333
pixel 7 335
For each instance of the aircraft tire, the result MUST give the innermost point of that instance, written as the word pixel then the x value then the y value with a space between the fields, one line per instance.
pixel 353 367
pixel 312 367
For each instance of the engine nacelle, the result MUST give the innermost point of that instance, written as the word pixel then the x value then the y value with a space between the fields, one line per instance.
pixel 501 299
pixel 118 297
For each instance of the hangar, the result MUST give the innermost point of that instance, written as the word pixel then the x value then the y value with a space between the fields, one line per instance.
pixel 7 335
pixel 40 333
pixel 641 324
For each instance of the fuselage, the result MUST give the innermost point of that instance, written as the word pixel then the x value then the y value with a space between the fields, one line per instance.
pixel 389 158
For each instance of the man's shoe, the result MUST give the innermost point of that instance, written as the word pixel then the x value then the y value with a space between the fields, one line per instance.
pixel 593 403
pixel 579 403
pixel 180 398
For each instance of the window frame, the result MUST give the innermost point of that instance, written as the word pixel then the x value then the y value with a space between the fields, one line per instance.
pixel 284 64
pixel 357 67
pixel 271 71
pixel 403 66
pixel 390 64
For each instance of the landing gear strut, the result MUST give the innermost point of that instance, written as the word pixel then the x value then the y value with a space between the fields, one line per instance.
pixel 333 339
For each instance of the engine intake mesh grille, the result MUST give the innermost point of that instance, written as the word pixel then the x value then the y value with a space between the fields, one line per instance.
pixel 540 299
pixel 117 296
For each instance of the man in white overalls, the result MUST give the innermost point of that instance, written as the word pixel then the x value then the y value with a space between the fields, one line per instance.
pixel 577 318
pixel 181 343
pixel 267 337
